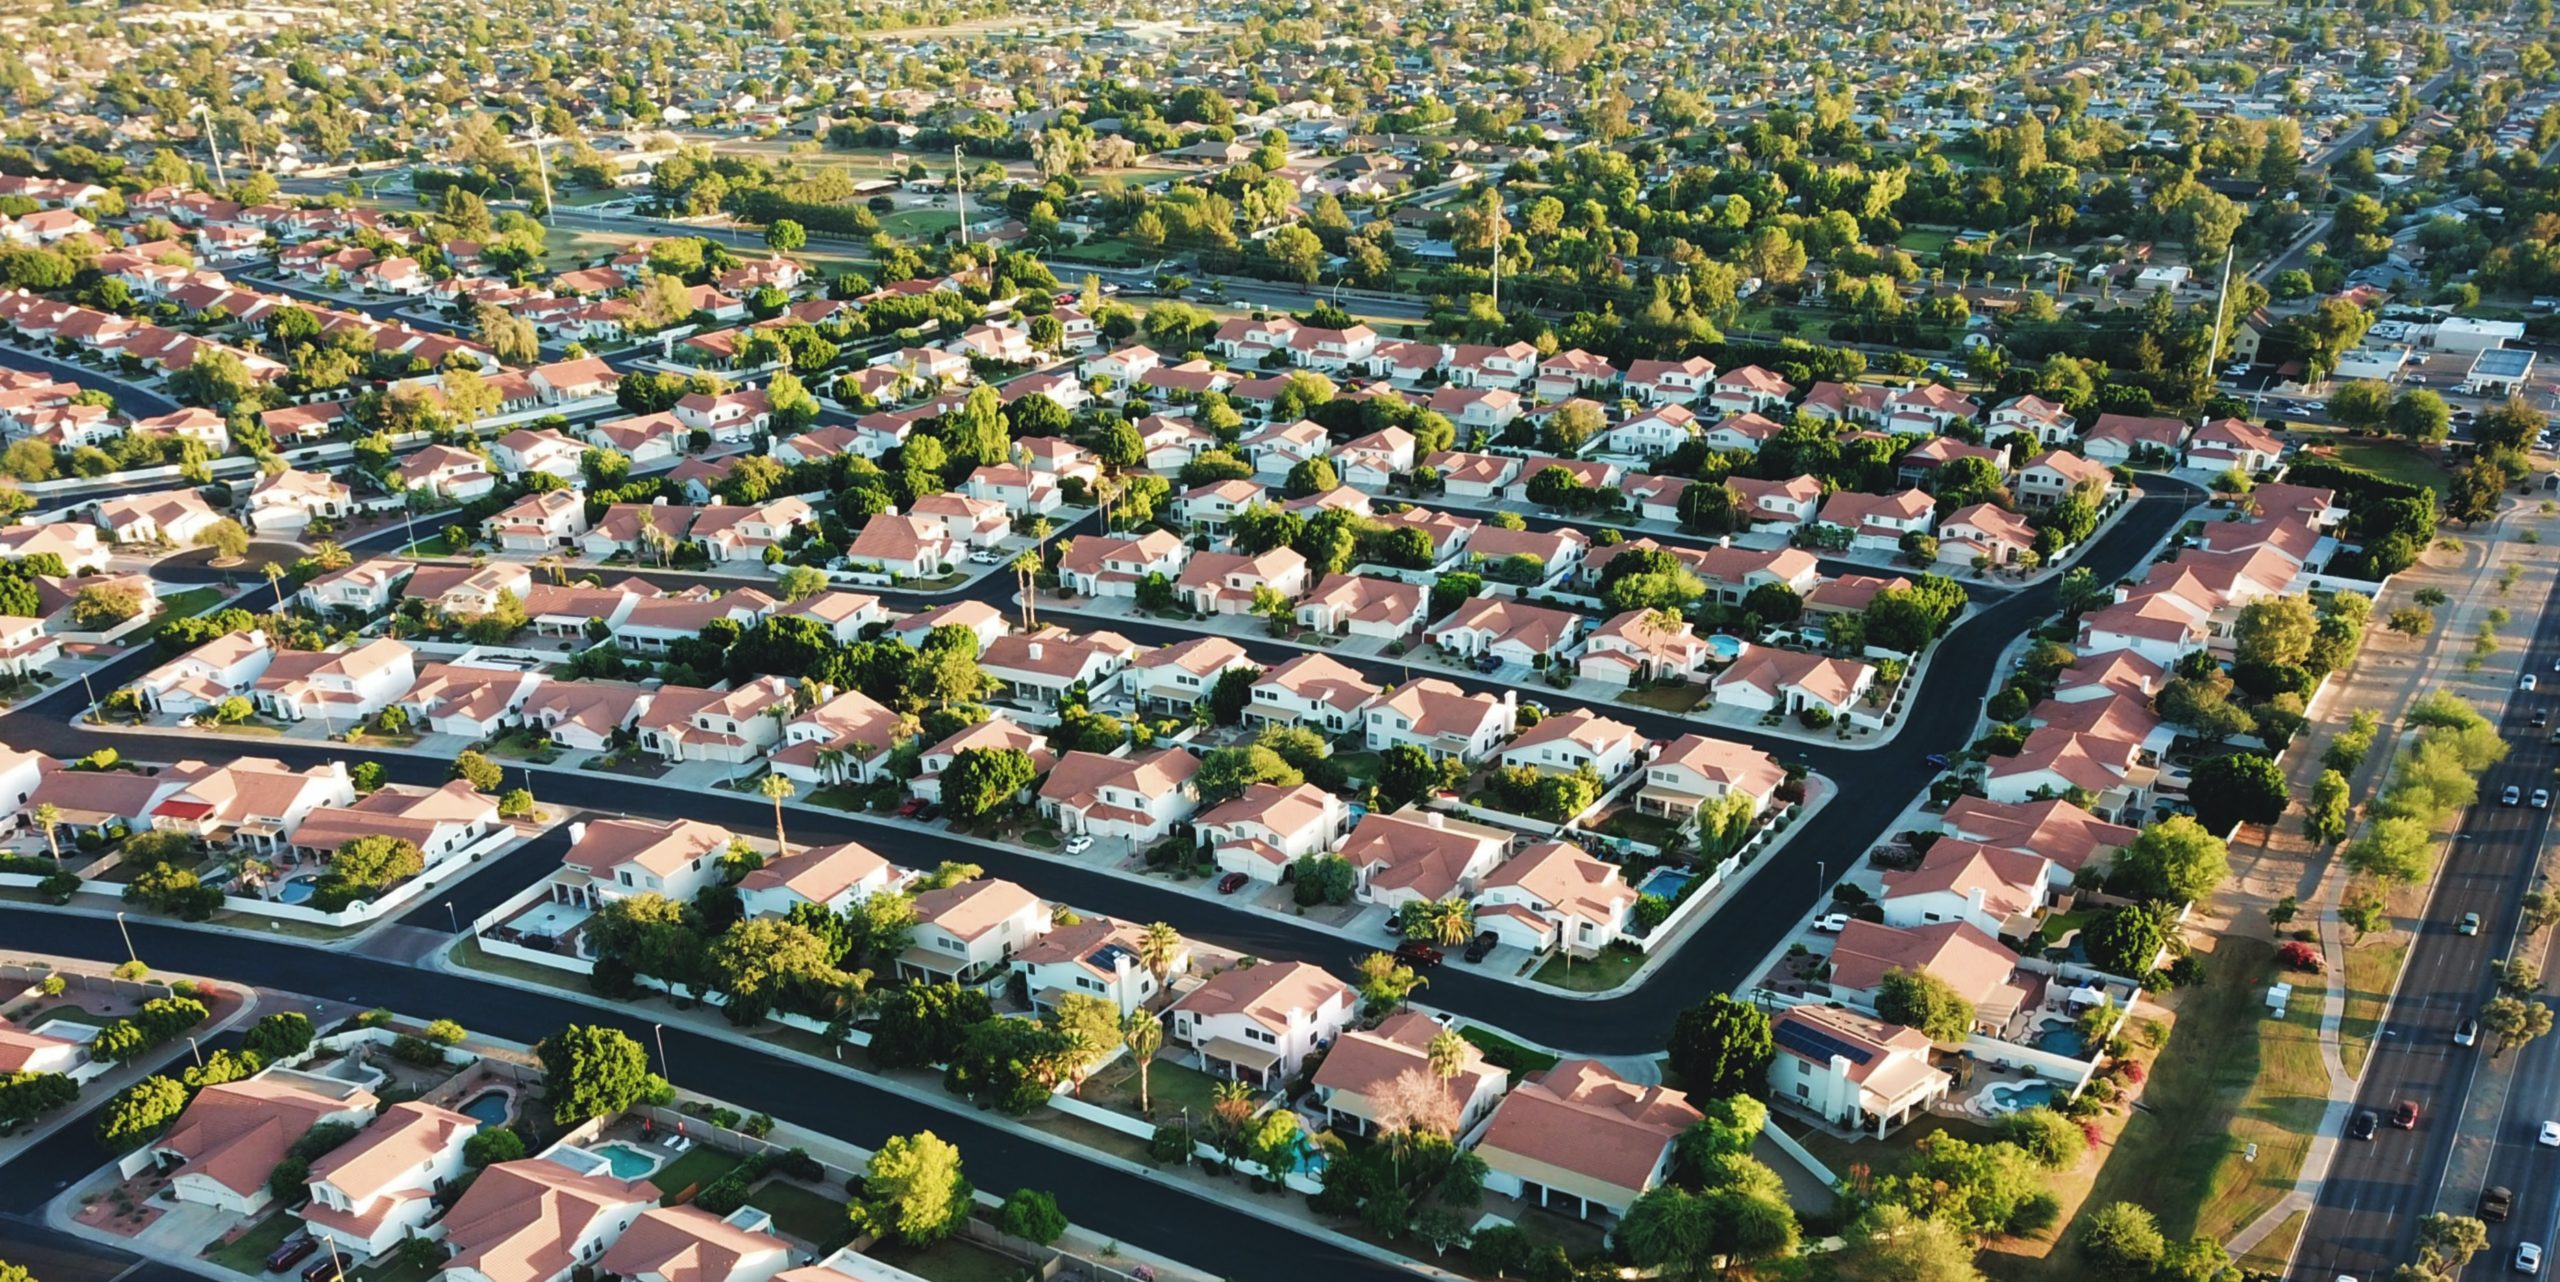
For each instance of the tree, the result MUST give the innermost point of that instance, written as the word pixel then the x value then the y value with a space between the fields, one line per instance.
pixel 227 539
pixel 369 864
pixel 2364 911
pixel 2054 1141
pixel 783 235
pixel 2122 1240
pixel 1920 1000
pixel 2446 1243
pixel 1892 1244
pixel 2514 1021
pixel 480 772
pixel 1032 1214
pixel 48 817
pixel 2395 848
pixel 1407 774
pixel 2127 939
pixel 2362 404
pixel 777 788
pixel 2419 414
pixel 491 1145
pixel 2274 631
pixel 981 779
pixel 1721 1047
pixel 1143 1033
pixel 2241 787
pixel 1385 982
pixel 140 1111
pixel 1672 1232
pixel 2175 859
pixel 1311 476
pixel 2326 819
pixel 282 1035
pixel 589 1070
pixel 100 607
pixel 1225 773
pixel 914 1191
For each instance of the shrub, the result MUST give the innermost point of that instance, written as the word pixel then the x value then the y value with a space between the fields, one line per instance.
pixel 2297 955
pixel 1034 1215
pixel 1169 1144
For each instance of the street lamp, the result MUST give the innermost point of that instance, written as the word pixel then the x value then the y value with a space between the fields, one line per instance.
pixel 452 916
pixel 129 954
pixel 1819 877
pixel 661 1031
pixel 199 1050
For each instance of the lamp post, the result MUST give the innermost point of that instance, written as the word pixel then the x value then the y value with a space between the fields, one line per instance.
pixel 661 1031
pixel 452 916
pixel 129 954
pixel 1820 877
pixel 199 1050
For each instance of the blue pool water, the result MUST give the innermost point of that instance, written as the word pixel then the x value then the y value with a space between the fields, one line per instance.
pixel 1722 648
pixel 2030 1095
pixel 628 1163
pixel 298 889
pixel 1665 882
pixel 489 1107
pixel 2062 1039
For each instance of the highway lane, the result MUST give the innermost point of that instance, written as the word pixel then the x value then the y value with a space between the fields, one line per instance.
pixel 1204 1230
pixel 2365 1217
pixel 1753 922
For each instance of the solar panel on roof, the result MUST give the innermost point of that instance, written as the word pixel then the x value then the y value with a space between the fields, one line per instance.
pixel 1817 1045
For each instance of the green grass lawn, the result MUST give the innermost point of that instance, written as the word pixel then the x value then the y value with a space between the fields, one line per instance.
pixel 1511 1055
pixel 2399 462
pixel 1362 765
pixel 692 1170
pixel 1591 975
pixel 1926 240
pixel 173 607
pixel 1171 1088
pixel 248 1252
pixel 1679 698
pixel 2372 967
pixel 398 1269
pixel 953 1261
pixel 437 546
pixel 918 224
pixel 811 1217
pixel 1627 822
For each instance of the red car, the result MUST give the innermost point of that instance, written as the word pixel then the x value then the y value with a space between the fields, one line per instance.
pixel 328 1268
pixel 291 1252
pixel 2406 1116
pixel 909 808
pixel 1231 883
pixel 1417 954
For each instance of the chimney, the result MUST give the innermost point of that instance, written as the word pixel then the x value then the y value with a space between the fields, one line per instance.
pixel 1973 900
pixel 1035 650
pixel 577 833
pixel 1435 819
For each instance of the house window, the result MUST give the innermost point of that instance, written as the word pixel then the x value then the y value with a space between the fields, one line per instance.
pixel 626 878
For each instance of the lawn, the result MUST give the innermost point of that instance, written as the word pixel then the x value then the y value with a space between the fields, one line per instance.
pixel 692 1170
pixel 437 546
pixel 918 224
pixel 1517 1059
pixel 2270 1256
pixel 248 1252
pixel 2399 462
pixel 813 1218
pixel 1361 766
pixel 2372 967
pixel 399 1269
pixel 1592 975
pixel 1171 1088
pixel 1634 825
pixel 953 1261
pixel 173 607
pixel 1926 240
pixel 1668 698
pixel 2229 1077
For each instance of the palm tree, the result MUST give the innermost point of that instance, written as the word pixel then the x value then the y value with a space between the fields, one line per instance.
pixel 1143 1034
pixel 1026 571
pixel 831 762
pixel 551 561
pixel 1447 1053
pixel 275 579
pixel 1447 922
pixel 49 818
pixel 1158 947
pixel 777 788
pixel 329 556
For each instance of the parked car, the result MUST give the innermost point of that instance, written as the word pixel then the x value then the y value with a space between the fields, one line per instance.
pixel 291 1251
pixel 1488 663
pixel 909 808
pixel 2497 1203
pixel 2363 1125
pixel 1079 843
pixel 328 1268
pixel 1831 923
pixel 1482 945
pixel 1417 954
pixel 986 556
pixel 1232 882
pixel 2406 1116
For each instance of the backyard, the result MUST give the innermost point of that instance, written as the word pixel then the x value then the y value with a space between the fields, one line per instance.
pixel 1614 966
pixel 2396 461
pixel 956 1260
pixel 1515 1058
pixel 173 607
pixel 1171 1087
pixel 811 1217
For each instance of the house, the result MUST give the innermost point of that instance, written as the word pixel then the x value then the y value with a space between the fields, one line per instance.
pixel 689 1244
pixel 2056 761
pixel 1552 895
pixel 1784 506
pixel 443 470
pixel 2120 438
pixel 2233 443
pixel 1643 645
pixel 1999 892
pixel 538 450
pixel 1657 431
pixel 1969 961
pixel 2067 837
pixel 1439 718
pixel 1095 957
pixel 1375 461
pixel 472 701
pixel 727 416
pixel 1693 771
pixel 1413 855
pixel 611 859
pixel 75 543
pixel 540 1219
pixel 1655 498
pixel 1228 583
pixel 833 877
pixel 1589 474
pixel 1364 1064
pixel 1314 690
pixel 1982 534
pixel 2045 421
pixel 1877 522
pixel 1261 832
pixel 648 440
pixel 648 531
pixel 551 521
pixel 1748 390
pixel 1507 629
pixel 997 731
pixel 285 502
pixel 967 931
pixel 251 802
pixel 380 1187
pixel 1099 565
pixel 1022 491
pixel 1040 667
pixel 347 685
pixel 1573 371
pixel 1856 1072
pixel 1787 682
pixel 195 681
pixel 584 716
pixel 1138 798
pixel 2055 475
pixel 1571 741
pixel 1581 1140
pixel 905 547
pixel 25 646
pixel 173 517
pixel 25 1052
pixel 849 738
pixel 976 618
pixel 1731 574
pixel 1919 465
pixel 1473 476
pixel 1931 407
pixel 1670 382
pixel 731 535
pixel 1259 1023
pixel 1122 367
pixel 1360 605
pixel 231 1136
pixel 1489 408
pixel 1276 449
pixel 569 382
pixel 683 723
pixel 440 822
pixel 1178 676
pixel 1210 507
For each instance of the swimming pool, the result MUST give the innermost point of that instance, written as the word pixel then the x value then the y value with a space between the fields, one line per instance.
pixel 298 889
pixel 1725 649
pixel 627 1161
pixel 2062 1039
pixel 488 1107
pixel 2009 1097
pixel 1666 882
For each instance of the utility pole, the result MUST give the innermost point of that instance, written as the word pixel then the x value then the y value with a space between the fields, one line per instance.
pixel 213 146
pixel 960 192
pixel 2221 315
pixel 1497 273
pixel 542 167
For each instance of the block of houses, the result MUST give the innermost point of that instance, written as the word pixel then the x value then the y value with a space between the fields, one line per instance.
pixel 1554 896
pixel 834 877
pixel 1694 770
pixel 1571 741
pixel 1878 522
pixel 1313 690
pixel 1854 1071
pixel 1040 667
pixel 1268 827
pixel 224 1146
pixel 1095 957
pixel 1137 798
pixel 1413 855
pixel 1439 718
pixel 1973 963
pixel 1999 892
pixel 1766 679
pixel 997 731
pixel 381 1186
pixel 611 859
pixel 541 1218
pixel 1509 630
pixel 969 930
pixel 1259 1023
pixel 1643 645
pixel 1580 1140
pixel 1176 677
pixel 340 685
pixel 1365 1064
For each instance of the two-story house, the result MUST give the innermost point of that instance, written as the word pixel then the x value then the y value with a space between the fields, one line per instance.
pixel 612 859
pixel 1267 828
pixel 1095 957
pixel 1137 798
pixel 1259 1023
pixel 381 1186
pixel 967 931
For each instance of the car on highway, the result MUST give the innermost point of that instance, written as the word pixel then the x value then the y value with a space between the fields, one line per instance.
pixel 2497 1203
pixel 1232 882
pixel 2364 1124
pixel 2467 1033
pixel 1482 945
pixel 2511 796
pixel 2551 1134
pixel 2469 925
pixel 2527 683
pixel 1417 954
pixel 2541 717
pixel 2541 799
pixel 2406 1116
pixel 2528 1258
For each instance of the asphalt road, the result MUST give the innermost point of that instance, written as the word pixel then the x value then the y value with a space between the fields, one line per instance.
pixel 131 398
pixel 2366 1217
